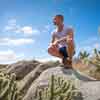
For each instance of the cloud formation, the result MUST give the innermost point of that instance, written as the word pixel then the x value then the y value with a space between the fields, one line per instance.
pixel 9 56
pixel 12 26
pixel 16 42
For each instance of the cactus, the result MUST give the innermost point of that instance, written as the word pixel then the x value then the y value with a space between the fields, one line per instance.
pixel 59 89
pixel 84 57
pixel 96 63
pixel 97 54
pixel 8 87
pixel 96 60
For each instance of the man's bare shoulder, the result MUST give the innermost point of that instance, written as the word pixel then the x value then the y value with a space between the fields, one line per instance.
pixel 69 29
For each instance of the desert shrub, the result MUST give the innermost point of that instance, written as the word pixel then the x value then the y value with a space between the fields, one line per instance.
pixel 58 89
pixel 8 87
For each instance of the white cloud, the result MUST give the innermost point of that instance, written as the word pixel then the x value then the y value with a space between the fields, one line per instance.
pixel 44 59
pixel 29 30
pixel 12 21
pixel 7 28
pixel 12 26
pixel 46 28
pixel 16 42
pixel 9 56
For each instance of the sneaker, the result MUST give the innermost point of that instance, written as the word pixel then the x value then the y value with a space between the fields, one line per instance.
pixel 67 63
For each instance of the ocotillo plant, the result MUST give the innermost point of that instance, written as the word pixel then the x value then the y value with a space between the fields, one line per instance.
pixel 59 89
pixel 8 87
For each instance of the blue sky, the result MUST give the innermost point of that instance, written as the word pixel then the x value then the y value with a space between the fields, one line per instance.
pixel 26 26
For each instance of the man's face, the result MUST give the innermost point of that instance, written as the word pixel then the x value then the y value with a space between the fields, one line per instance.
pixel 57 20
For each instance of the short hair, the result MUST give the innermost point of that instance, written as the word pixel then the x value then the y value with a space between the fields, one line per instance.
pixel 60 16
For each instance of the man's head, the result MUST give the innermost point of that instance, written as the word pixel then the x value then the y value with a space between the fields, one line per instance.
pixel 58 19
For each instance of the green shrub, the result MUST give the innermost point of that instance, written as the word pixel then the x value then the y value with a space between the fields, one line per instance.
pixel 58 89
pixel 8 87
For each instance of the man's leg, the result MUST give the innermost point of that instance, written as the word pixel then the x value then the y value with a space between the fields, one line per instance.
pixel 63 51
pixel 54 51
pixel 66 61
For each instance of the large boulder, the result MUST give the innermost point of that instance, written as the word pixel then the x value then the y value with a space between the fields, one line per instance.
pixel 30 77
pixel 22 68
pixel 88 86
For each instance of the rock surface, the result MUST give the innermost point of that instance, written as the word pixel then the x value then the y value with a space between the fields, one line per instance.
pixel 33 74
pixel 22 68
pixel 89 87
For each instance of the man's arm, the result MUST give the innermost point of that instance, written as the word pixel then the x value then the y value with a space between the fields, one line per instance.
pixel 67 38
pixel 70 37
pixel 53 39
pixel 70 45
pixel 62 39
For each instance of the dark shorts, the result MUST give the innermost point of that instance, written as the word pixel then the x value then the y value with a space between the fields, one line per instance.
pixel 63 51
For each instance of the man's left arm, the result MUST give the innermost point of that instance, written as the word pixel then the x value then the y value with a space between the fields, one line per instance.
pixel 69 38
pixel 70 44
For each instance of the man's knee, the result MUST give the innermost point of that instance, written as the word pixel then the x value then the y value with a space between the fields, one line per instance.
pixel 50 50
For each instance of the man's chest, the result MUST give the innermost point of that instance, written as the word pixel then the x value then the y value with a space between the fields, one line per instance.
pixel 60 34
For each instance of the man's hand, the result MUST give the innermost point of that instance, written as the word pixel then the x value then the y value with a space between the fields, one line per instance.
pixel 54 44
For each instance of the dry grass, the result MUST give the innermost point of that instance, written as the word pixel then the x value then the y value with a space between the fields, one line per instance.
pixel 87 69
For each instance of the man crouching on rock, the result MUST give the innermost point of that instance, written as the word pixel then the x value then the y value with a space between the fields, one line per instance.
pixel 62 42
